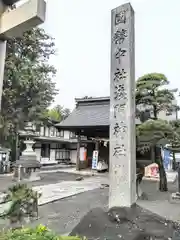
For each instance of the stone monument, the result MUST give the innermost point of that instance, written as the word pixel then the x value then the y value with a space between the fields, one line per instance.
pixel 122 171
pixel 26 168
pixel 124 220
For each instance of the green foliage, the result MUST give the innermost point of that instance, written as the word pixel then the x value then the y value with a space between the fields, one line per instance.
pixel 151 91
pixel 58 113
pixel 24 203
pixel 176 125
pixel 155 131
pixel 28 86
pixel 174 145
pixel 53 114
pixel 39 233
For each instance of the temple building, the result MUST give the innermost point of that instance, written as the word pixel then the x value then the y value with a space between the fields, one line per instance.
pixel 53 145
pixel 86 129
pixel 90 122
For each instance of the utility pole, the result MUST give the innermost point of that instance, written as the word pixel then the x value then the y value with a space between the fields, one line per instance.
pixel 14 22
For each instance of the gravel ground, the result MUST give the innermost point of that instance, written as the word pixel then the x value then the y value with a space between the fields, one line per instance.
pixel 134 223
pixel 62 216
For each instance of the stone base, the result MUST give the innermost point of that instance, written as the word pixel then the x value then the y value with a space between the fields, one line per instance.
pixel 26 174
pixel 34 176
pixel 27 168
pixel 175 198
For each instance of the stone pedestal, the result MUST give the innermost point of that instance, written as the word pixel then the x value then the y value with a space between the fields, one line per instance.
pixel 27 167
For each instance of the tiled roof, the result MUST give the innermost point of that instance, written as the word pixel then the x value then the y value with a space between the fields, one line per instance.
pixel 89 112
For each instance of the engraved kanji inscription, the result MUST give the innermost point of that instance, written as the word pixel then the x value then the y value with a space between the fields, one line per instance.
pixel 119 36
pixel 118 108
pixel 119 150
pixel 120 92
pixel 119 75
pixel 120 17
pixel 123 127
pixel 120 53
pixel 116 129
pixel 119 128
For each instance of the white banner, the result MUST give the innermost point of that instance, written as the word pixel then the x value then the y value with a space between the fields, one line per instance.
pixel 95 160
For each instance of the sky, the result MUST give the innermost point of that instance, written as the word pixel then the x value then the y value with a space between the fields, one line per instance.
pixel 81 29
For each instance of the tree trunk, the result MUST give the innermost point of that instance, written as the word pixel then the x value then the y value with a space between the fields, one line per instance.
pixel 162 174
pixel 176 114
pixel 174 162
pixel 155 112
pixel 163 180
pixel 14 147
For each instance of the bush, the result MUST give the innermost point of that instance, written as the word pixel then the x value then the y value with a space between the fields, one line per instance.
pixel 39 233
pixel 24 203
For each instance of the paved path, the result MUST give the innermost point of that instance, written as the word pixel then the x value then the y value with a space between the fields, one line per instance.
pixel 63 215
pixel 60 190
pixel 158 202
pixel 46 178
pixel 53 192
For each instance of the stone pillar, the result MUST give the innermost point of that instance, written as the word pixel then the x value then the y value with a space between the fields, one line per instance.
pixel 122 109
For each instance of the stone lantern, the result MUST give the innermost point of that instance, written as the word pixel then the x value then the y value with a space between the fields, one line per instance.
pixel 27 166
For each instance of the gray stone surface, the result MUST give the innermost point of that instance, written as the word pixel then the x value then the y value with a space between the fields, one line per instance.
pixel 62 216
pixel 28 161
pixel 64 189
pixel 65 214
pixel 46 178
pixel 50 185
pixel 56 191
pixel 122 109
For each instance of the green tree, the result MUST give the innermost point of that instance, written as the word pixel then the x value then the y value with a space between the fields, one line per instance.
pixel 174 145
pixel 151 92
pixel 53 114
pixel 58 113
pixel 24 203
pixel 65 113
pixel 28 87
pixel 156 133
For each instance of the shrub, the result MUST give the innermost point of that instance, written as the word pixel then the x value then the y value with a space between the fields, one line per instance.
pixel 24 203
pixel 39 233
